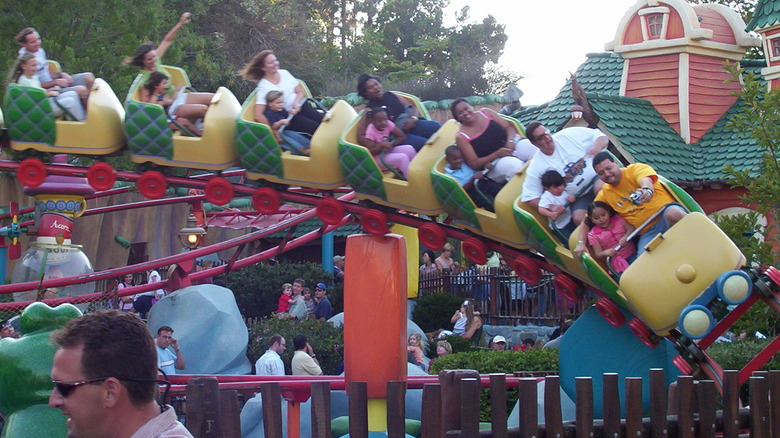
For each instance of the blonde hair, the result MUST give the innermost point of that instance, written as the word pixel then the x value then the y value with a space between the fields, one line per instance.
pixel 16 69
pixel 286 285
pixel 448 247
pixel 418 337
pixel 445 345
pixel 273 95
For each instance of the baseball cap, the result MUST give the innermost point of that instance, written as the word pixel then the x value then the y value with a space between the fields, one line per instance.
pixel 498 339
pixel 322 286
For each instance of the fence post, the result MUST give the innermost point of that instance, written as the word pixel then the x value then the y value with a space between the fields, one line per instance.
pixel 451 397
pixel 498 405
pixel 271 394
pixel 774 402
pixel 358 409
pixel 396 409
pixel 730 404
pixel 320 410
pixel 707 407
pixel 685 407
pixel 494 291
pixel 469 406
pixel 529 420
pixel 759 408
pixel 634 423
pixel 203 411
pixel 431 411
pixel 553 419
pixel 611 405
pixel 584 406
pixel 658 403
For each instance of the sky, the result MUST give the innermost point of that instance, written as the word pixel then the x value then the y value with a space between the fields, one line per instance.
pixel 563 30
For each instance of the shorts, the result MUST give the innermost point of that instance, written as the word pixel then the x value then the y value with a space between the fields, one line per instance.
pixel 661 226
pixel 583 202
pixel 78 79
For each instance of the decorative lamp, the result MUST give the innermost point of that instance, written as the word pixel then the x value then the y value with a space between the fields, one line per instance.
pixel 576 112
pixel 191 235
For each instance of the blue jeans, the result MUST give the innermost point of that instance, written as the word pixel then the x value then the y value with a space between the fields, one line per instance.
pixel 422 131
pixel 296 139
pixel 660 227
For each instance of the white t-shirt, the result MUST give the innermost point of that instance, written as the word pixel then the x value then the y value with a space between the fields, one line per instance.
pixel 43 65
pixel 29 82
pixel 548 199
pixel 154 277
pixel 568 159
pixel 286 85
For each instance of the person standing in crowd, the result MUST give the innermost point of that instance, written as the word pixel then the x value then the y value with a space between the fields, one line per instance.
pixel 338 269
pixel 270 363
pixel 324 309
pixel 168 361
pixel 298 308
pixel 498 343
pixel 304 362
pixel 105 379
pixel 126 302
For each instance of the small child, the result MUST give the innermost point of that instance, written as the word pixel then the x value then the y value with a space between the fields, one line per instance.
pixel 469 179
pixel 553 196
pixel 415 348
pixel 608 229
pixel 383 136
pixel 155 90
pixel 284 300
pixel 277 117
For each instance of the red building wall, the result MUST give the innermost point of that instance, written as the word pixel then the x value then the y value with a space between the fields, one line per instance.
pixel 655 79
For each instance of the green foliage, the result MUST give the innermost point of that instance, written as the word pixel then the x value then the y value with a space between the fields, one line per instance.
pixel 257 288
pixel 506 362
pixel 326 340
pixel 434 311
pixel 746 231
pixel 735 355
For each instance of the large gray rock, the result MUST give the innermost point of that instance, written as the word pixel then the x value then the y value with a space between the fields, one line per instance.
pixel 211 333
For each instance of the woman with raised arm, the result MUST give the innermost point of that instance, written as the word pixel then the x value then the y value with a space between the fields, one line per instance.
pixel 264 68
pixel 148 58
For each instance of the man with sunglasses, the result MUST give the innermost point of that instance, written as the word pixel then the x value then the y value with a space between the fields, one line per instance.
pixel 323 310
pixel 570 152
pixel 105 379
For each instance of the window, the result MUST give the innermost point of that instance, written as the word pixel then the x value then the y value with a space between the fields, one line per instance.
pixel 655 25
pixel 776 47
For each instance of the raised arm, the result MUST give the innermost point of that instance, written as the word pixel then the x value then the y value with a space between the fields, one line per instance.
pixel 168 39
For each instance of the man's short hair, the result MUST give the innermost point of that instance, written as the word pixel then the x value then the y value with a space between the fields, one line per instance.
pixel 552 178
pixel 164 328
pixel 275 339
pixel 529 129
pixel 602 156
pixel 21 37
pixel 300 281
pixel 300 342
pixel 115 344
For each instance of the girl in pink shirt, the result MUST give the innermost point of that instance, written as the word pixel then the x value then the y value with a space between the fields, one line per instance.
pixel 608 229
pixel 383 136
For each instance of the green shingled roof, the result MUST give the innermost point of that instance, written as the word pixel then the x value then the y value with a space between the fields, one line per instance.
pixel 315 224
pixel 600 73
pixel 766 14
pixel 642 131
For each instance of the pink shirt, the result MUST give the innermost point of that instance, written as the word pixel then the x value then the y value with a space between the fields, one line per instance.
pixel 610 238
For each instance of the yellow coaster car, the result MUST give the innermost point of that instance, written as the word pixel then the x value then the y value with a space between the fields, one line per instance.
pixel 151 139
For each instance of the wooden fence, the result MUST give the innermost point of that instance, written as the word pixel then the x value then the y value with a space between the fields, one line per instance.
pixel 450 408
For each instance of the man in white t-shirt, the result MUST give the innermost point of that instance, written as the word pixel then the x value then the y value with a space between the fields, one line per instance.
pixel 270 363
pixel 571 153
pixel 30 41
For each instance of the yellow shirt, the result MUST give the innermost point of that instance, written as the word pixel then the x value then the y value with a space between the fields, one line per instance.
pixel 618 196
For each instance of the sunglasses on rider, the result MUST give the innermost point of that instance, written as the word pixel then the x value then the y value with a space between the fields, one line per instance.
pixel 66 388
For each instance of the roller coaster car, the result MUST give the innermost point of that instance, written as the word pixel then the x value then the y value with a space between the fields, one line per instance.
pixel 32 124
pixel 498 225
pixel 151 139
pixel 370 182
pixel 688 275
pixel 263 158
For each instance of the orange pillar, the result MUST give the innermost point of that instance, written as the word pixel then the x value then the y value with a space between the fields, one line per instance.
pixel 375 317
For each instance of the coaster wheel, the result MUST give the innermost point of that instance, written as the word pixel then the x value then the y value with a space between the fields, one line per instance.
pixel 773 275
pixel 475 250
pixel 432 236
pixel 682 365
pixel 527 270
pixel 266 200
pixel 152 184
pixel 101 176
pixel 31 172
pixel 219 191
pixel 566 287
pixel 642 332
pixel 330 211
pixel 375 222
pixel 610 312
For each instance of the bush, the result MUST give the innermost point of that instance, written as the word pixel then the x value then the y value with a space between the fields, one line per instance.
pixel 434 311
pixel 458 344
pixel 257 288
pixel 326 340
pixel 735 355
pixel 506 362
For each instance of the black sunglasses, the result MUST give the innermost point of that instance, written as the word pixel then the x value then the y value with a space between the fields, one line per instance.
pixel 66 388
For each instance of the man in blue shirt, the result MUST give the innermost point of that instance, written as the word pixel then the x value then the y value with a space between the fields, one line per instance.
pixel 323 309
pixel 167 360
